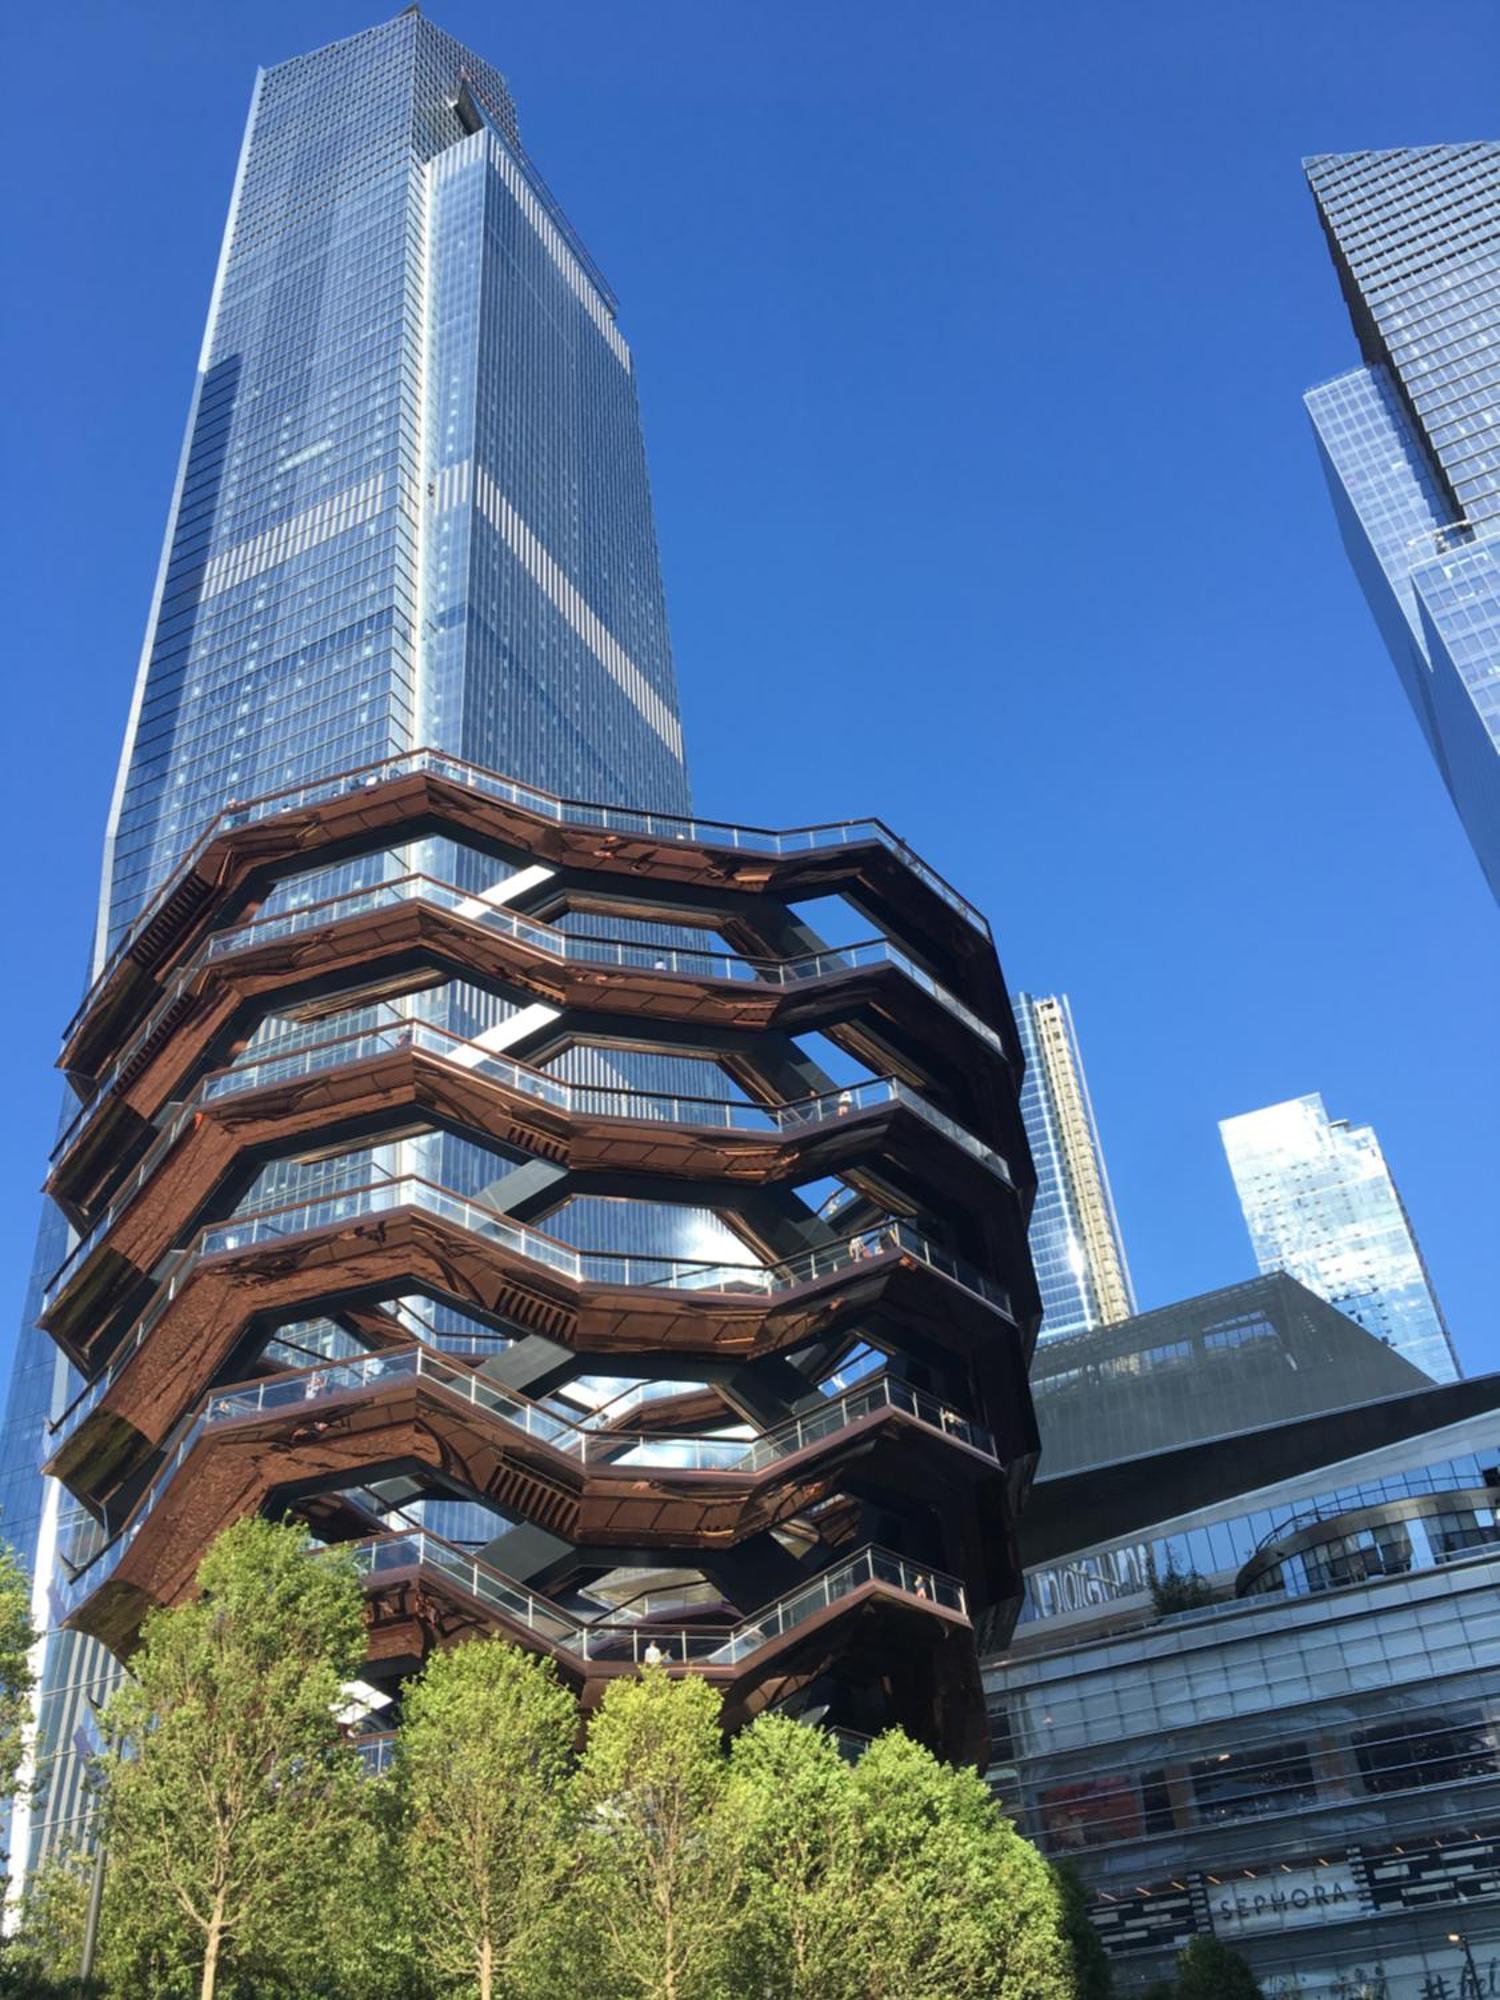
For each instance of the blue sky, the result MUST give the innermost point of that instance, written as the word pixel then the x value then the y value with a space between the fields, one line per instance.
pixel 971 340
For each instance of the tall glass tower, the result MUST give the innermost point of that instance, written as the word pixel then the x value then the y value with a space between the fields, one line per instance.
pixel 1411 441
pixel 1320 1203
pixel 411 508
pixel 1075 1234
pixel 435 1063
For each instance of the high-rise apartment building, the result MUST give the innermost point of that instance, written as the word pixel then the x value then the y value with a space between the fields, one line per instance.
pixel 441 1132
pixel 1411 441
pixel 1320 1203
pixel 1075 1234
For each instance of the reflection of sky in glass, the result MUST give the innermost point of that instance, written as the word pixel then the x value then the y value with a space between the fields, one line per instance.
pixel 1320 1203
pixel 1411 441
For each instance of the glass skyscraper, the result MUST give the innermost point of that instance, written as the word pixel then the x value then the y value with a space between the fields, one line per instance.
pixel 412 508
pixel 1410 441
pixel 1075 1233
pixel 1320 1203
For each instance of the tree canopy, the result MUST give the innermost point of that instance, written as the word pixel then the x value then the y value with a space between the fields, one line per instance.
pixel 504 1858
pixel 482 1810
pixel 231 1794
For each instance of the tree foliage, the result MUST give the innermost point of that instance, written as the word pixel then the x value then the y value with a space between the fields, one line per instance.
pixel 1181 1590
pixel 481 1809
pixel 1208 1970
pixel 958 1903
pixel 789 1813
pixel 17 1637
pixel 231 1796
pixel 654 1881
pixel 249 1857
pixel 42 1954
pixel 1092 1976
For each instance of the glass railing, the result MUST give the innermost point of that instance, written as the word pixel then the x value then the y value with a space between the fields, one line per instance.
pixel 589 1267
pixel 376 1753
pixel 595 1267
pixel 545 805
pixel 102 1565
pixel 635 1644
pixel 599 1641
pixel 575 1100
pixel 891 1239
pixel 591 1443
pixel 571 946
pixel 563 946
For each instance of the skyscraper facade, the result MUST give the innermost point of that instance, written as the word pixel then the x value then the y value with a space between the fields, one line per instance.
pixel 1320 1203
pixel 411 507
pixel 411 549
pixel 1411 441
pixel 1075 1233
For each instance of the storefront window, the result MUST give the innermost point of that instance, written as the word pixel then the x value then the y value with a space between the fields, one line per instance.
pixel 1405 1753
pixel 1232 1786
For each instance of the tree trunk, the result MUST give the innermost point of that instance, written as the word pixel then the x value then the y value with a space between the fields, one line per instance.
pixel 486 1969
pixel 212 1948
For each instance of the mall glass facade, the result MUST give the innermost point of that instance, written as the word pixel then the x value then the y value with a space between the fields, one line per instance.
pixel 1306 1767
pixel 1075 1233
pixel 1320 1202
pixel 412 508
pixel 1410 442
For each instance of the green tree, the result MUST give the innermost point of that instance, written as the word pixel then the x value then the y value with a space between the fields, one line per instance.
pixel 654 1878
pixel 1092 1977
pixel 17 1637
pixel 231 1799
pixel 957 1903
pixel 1181 1590
pixel 1208 1970
pixel 481 1775
pixel 42 1954
pixel 788 1812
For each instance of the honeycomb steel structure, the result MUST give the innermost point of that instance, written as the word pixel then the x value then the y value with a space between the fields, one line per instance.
pixel 797 1473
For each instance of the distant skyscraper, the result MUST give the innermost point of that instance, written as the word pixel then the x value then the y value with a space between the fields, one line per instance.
pixel 1320 1203
pixel 1075 1234
pixel 1411 441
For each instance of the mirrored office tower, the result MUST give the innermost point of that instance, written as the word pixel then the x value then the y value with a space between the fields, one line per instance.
pixel 1075 1234
pixel 1320 1203
pixel 1411 441
pixel 412 508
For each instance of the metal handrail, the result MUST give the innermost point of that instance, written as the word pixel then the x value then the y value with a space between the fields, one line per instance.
pixel 307 1388
pixel 546 805
pixel 636 1644
pixel 600 1101
pixel 587 1442
pixel 893 1238
pixel 550 942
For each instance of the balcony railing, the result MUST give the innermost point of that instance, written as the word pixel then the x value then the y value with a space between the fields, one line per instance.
pixel 588 1267
pixel 575 1100
pixel 591 1443
pixel 564 947
pixel 310 1387
pixel 545 805
pixel 608 1643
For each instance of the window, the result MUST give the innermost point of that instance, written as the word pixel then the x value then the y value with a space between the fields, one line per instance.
pixel 1406 1752
pixel 1234 1785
